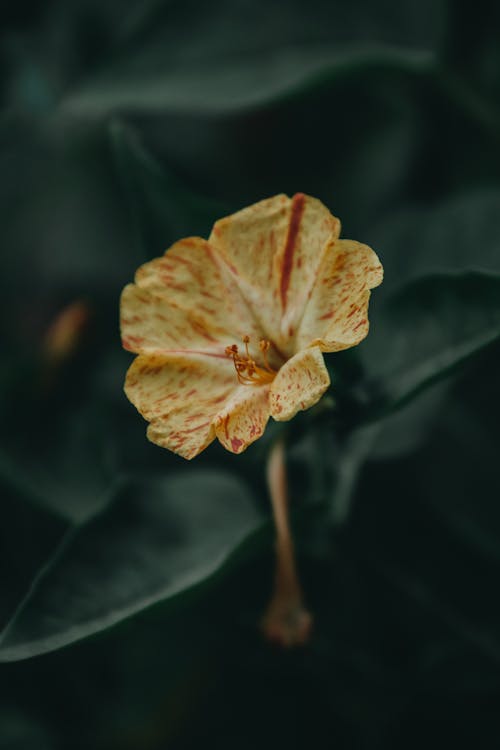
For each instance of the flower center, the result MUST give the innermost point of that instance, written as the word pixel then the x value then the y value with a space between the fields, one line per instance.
pixel 247 371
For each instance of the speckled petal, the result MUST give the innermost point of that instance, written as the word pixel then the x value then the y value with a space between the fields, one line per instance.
pixel 299 384
pixel 181 397
pixel 274 249
pixel 243 418
pixel 336 315
pixel 151 324
pixel 311 230
pixel 249 241
pixel 185 300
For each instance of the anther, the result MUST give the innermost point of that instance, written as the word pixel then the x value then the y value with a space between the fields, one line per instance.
pixel 264 346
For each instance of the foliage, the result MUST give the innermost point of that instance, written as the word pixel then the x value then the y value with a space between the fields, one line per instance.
pixel 126 126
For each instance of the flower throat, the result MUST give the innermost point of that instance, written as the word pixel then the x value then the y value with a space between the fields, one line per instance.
pixel 247 371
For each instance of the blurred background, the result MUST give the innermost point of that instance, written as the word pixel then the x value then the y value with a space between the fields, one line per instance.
pixel 124 127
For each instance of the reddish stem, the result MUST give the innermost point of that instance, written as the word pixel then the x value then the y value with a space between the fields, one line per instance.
pixel 286 621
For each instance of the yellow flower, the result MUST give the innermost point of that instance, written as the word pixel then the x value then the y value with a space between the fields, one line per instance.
pixel 231 330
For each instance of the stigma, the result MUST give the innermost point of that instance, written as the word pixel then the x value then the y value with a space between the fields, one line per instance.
pixel 248 371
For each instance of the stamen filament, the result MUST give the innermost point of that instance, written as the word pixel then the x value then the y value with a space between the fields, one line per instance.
pixel 247 371
pixel 264 346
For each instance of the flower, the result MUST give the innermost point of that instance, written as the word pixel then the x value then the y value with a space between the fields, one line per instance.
pixel 231 330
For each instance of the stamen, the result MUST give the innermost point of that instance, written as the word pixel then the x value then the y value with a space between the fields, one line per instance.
pixel 264 346
pixel 246 341
pixel 247 371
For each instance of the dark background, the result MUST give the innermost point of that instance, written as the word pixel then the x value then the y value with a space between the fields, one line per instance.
pixel 124 127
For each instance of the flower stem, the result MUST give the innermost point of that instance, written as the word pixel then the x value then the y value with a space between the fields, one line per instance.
pixel 286 621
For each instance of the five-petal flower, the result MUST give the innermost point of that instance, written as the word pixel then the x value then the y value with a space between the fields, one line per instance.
pixel 231 330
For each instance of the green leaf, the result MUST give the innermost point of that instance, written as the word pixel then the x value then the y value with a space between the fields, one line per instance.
pixel 71 470
pixel 28 535
pixel 64 225
pixel 232 84
pixel 464 485
pixel 158 538
pixel 401 432
pixel 164 210
pixel 425 331
pixel 222 57
pixel 461 233
pixel 395 436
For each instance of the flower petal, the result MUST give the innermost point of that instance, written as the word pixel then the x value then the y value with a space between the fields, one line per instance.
pixel 336 315
pixel 312 228
pixel 274 249
pixel 248 242
pixel 181 397
pixel 185 300
pixel 243 418
pixel 299 384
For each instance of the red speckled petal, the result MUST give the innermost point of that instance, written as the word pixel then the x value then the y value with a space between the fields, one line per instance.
pixel 243 418
pixel 249 242
pixel 299 384
pixel 336 315
pixel 274 249
pixel 152 325
pixel 312 228
pixel 181 397
pixel 184 301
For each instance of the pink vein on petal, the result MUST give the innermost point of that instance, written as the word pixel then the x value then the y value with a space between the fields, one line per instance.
pixel 298 203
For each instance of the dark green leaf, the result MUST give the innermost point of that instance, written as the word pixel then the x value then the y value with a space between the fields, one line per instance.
pixel 462 232
pixel 28 535
pixel 401 432
pixel 156 87
pixel 394 436
pixel 72 467
pixel 426 330
pixel 228 55
pixel 464 485
pixel 163 209
pixel 158 538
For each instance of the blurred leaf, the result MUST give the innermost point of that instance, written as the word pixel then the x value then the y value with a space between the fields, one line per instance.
pixel 391 437
pixel 158 538
pixel 353 454
pixel 462 232
pixel 463 447
pixel 401 432
pixel 28 536
pixel 72 470
pixel 151 84
pixel 61 213
pixel 222 57
pixel 20 731
pixel 472 51
pixel 164 210
pixel 425 331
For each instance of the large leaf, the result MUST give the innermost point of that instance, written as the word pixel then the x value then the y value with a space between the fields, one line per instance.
pixel 419 337
pixel 164 210
pixel 426 330
pixel 28 535
pixel 230 55
pixel 461 232
pixel 72 468
pixel 158 538
pixel 234 84
pixel 464 484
